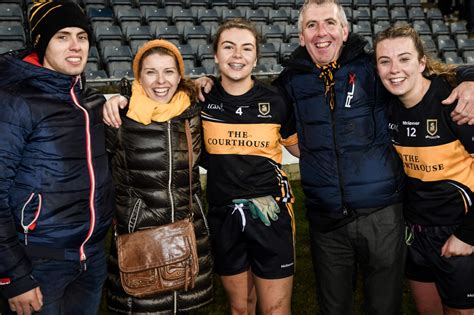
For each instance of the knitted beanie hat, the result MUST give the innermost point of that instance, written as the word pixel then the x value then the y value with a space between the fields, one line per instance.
pixel 154 44
pixel 47 17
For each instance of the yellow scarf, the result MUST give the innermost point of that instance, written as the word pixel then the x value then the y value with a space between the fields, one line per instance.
pixel 145 110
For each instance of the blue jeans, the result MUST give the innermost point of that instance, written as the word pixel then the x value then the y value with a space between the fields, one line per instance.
pixel 70 287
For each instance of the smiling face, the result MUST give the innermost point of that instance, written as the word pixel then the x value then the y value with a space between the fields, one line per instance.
pixel 159 77
pixel 67 51
pixel 401 69
pixel 236 55
pixel 323 32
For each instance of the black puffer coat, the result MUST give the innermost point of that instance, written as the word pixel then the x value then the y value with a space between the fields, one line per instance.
pixel 150 164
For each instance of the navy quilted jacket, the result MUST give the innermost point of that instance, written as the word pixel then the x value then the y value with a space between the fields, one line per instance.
pixel 347 161
pixel 56 198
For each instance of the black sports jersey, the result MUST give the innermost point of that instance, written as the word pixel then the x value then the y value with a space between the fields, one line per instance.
pixel 436 155
pixel 242 137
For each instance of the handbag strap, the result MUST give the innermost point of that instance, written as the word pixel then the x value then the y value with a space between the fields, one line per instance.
pixel 189 141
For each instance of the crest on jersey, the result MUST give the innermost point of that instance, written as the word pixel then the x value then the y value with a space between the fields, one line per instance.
pixel 432 126
pixel 264 108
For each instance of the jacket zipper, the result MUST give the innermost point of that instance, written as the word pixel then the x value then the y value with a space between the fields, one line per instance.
pixel 170 176
pixel 170 181
pixel 345 211
pixel 90 169
pixel 32 224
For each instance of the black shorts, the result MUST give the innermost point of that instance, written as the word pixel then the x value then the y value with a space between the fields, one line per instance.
pixel 240 242
pixel 454 276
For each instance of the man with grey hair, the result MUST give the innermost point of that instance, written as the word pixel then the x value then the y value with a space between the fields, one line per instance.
pixel 351 176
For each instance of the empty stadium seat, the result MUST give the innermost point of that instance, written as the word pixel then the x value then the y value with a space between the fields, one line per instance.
pixel 468 57
pixel 465 44
pixel 421 27
pixel 284 4
pixel 11 14
pixel 413 3
pixel 117 58
pixel 144 5
pixel 279 17
pixel 361 14
pixel 220 5
pixel 451 57
pixel 446 44
pixel 195 35
pixel 156 17
pixel 363 28
pixel 171 5
pixel 189 57
pixel 272 33
pixel 12 37
pixel 108 36
pixel 209 18
pixel 360 3
pixel 348 12
pixel 286 49
pixel 380 14
pixel 380 26
pixel 416 13
pixel 93 60
pixel 257 17
pixel 277 68
pixel 119 5
pixel 170 33
pixel 267 4
pixel 430 46
pixel 129 17
pixel 136 36
pixel 182 17
pixel 379 3
pixel 100 16
pixel 458 28
pixel 439 28
pixel 396 3
pixel 196 5
pixel 228 14
pixel 94 4
pixel 205 54
pixel 292 34
pixel 268 55
pixel 398 14
pixel 242 5
pixel 434 14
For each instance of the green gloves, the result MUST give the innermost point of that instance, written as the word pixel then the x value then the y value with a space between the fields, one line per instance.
pixel 264 208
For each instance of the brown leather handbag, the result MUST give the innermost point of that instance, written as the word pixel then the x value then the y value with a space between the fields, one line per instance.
pixel 163 258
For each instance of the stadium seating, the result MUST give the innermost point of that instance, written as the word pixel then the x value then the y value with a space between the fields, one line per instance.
pixel 120 27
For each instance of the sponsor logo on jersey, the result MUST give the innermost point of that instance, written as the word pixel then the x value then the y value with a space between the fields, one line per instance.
pixel 432 128
pixel 219 107
pixel 392 126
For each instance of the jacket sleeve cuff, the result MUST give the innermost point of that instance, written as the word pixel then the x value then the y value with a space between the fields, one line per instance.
pixel 464 73
pixel 18 287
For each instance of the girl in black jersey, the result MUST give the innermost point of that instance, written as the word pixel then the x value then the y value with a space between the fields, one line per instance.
pixel 250 216
pixel 438 159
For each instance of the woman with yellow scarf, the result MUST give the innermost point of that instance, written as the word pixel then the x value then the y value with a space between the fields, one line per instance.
pixel 150 170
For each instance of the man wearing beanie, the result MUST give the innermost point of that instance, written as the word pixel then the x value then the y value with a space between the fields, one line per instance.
pixel 56 198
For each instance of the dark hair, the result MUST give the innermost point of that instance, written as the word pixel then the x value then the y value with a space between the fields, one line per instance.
pixel 237 23
pixel 185 84
pixel 433 67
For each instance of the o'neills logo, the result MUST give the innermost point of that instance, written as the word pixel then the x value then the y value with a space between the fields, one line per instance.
pixel 264 108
